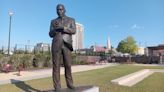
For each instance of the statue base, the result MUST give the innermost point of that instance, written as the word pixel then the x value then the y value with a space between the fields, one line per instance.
pixel 78 89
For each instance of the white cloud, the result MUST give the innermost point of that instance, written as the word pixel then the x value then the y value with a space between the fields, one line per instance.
pixel 137 27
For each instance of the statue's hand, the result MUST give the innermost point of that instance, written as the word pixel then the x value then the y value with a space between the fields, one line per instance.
pixel 59 29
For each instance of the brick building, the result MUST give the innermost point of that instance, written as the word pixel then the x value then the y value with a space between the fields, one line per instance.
pixel 157 51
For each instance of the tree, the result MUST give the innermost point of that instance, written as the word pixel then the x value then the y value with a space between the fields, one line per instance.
pixel 127 45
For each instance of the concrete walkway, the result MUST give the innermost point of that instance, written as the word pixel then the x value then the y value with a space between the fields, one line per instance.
pixel 42 73
pixel 134 78
pixel 148 64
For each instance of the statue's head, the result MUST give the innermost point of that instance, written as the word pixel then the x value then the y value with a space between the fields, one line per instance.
pixel 60 10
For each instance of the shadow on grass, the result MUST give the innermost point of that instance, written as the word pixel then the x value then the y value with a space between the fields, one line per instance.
pixel 22 85
pixel 77 89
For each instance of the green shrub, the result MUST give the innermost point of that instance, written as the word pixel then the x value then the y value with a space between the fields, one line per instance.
pixel 4 60
pixel 14 61
pixel 24 60
pixel 74 62
pixel 43 60
pixel 1 56
pixel 83 63
pixel 48 62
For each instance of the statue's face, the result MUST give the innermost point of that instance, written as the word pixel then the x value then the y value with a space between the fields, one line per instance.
pixel 60 11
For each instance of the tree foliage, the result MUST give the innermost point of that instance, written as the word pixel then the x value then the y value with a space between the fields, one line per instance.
pixel 127 45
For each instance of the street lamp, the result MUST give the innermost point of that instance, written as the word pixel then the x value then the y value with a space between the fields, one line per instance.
pixel 10 15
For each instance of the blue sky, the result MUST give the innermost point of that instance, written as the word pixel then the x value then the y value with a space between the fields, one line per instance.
pixel 142 19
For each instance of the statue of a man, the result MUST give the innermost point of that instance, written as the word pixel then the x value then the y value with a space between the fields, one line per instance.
pixel 61 30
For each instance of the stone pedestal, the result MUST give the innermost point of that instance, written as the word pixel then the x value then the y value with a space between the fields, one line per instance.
pixel 78 89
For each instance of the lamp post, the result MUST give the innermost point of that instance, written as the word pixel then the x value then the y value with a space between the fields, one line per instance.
pixel 10 15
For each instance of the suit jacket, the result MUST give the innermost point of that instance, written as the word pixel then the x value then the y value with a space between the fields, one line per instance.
pixel 65 35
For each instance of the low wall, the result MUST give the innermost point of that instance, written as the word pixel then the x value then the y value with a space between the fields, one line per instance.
pixel 89 59
pixel 136 59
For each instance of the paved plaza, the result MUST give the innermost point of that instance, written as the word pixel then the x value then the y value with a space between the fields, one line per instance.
pixel 42 73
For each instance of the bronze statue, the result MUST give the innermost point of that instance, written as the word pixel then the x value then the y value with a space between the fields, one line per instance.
pixel 61 30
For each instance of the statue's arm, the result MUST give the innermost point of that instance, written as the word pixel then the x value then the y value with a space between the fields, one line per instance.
pixel 71 29
pixel 52 30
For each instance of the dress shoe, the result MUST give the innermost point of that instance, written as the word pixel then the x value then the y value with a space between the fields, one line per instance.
pixel 57 90
pixel 71 87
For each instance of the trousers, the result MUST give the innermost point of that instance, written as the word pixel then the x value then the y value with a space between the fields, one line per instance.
pixel 62 54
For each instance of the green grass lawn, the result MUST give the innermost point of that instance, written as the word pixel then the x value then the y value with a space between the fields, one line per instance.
pixel 100 78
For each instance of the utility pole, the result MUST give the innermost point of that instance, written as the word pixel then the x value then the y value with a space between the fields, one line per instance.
pixel 10 14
